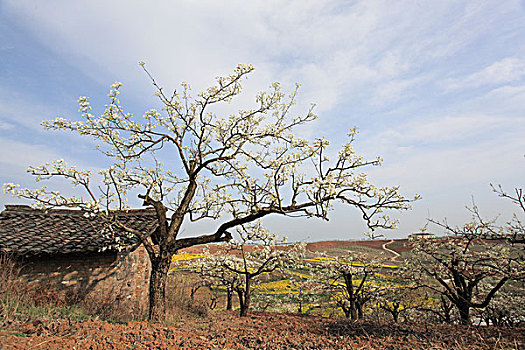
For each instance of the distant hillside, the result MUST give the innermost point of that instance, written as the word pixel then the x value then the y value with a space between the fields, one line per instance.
pixel 366 247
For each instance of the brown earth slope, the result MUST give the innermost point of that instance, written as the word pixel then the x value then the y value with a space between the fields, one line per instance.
pixel 326 245
pixel 225 330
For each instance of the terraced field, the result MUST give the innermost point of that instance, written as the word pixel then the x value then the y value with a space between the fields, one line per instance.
pixel 298 288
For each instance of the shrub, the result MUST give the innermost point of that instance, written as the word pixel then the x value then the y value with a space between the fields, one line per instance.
pixel 12 295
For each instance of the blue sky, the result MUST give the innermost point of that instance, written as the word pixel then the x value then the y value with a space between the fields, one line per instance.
pixel 437 88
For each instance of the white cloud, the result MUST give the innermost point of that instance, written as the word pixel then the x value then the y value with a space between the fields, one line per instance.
pixel 18 156
pixel 334 48
pixel 5 125
pixel 507 70
pixel 440 131
pixel 448 152
pixel 507 97
pixel 508 100
pixel 351 57
pixel 393 90
pixel 24 111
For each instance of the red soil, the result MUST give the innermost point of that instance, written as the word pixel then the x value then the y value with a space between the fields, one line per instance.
pixel 325 245
pixel 225 330
pixel 398 246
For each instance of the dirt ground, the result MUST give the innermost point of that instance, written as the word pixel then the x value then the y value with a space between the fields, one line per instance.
pixel 325 245
pixel 225 330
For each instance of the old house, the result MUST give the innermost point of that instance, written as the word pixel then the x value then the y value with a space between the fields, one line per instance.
pixel 421 235
pixel 70 250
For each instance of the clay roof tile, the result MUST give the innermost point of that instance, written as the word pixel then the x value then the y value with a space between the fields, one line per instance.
pixel 27 231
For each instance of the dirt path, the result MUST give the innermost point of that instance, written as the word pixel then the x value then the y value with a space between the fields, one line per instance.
pixel 396 254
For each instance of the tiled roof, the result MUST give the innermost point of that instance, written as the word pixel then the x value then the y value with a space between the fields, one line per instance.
pixel 26 231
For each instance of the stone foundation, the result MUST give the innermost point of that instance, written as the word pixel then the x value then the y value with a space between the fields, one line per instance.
pixel 115 279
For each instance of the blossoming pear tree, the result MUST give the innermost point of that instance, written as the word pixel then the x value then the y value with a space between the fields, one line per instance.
pixel 305 291
pixel 400 300
pixel 465 267
pixel 188 163
pixel 210 268
pixel 351 281
pixel 506 308
pixel 253 253
pixel 439 308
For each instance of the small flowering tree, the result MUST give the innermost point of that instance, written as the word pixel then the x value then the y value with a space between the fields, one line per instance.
pixel 506 308
pixel 255 253
pixel 438 306
pixel 399 301
pixel 465 268
pixel 211 270
pixel 305 293
pixel 189 163
pixel 350 280
pixel 472 262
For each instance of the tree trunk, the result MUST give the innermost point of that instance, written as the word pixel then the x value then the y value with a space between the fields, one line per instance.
pixel 396 310
pixel 395 316
pixel 157 289
pixel 351 295
pixel 240 294
pixel 346 310
pixel 229 297
pixel 446 307
pixel 353 310
pixel 247 294
pixel 359 311
pixel 464 314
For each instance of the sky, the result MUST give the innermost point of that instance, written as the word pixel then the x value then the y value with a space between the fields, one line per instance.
pixel 436 88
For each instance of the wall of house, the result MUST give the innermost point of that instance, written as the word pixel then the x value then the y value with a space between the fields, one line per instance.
pixel 102 279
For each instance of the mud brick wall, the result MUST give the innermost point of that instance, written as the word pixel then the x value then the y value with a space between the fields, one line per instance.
pixel 122 278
